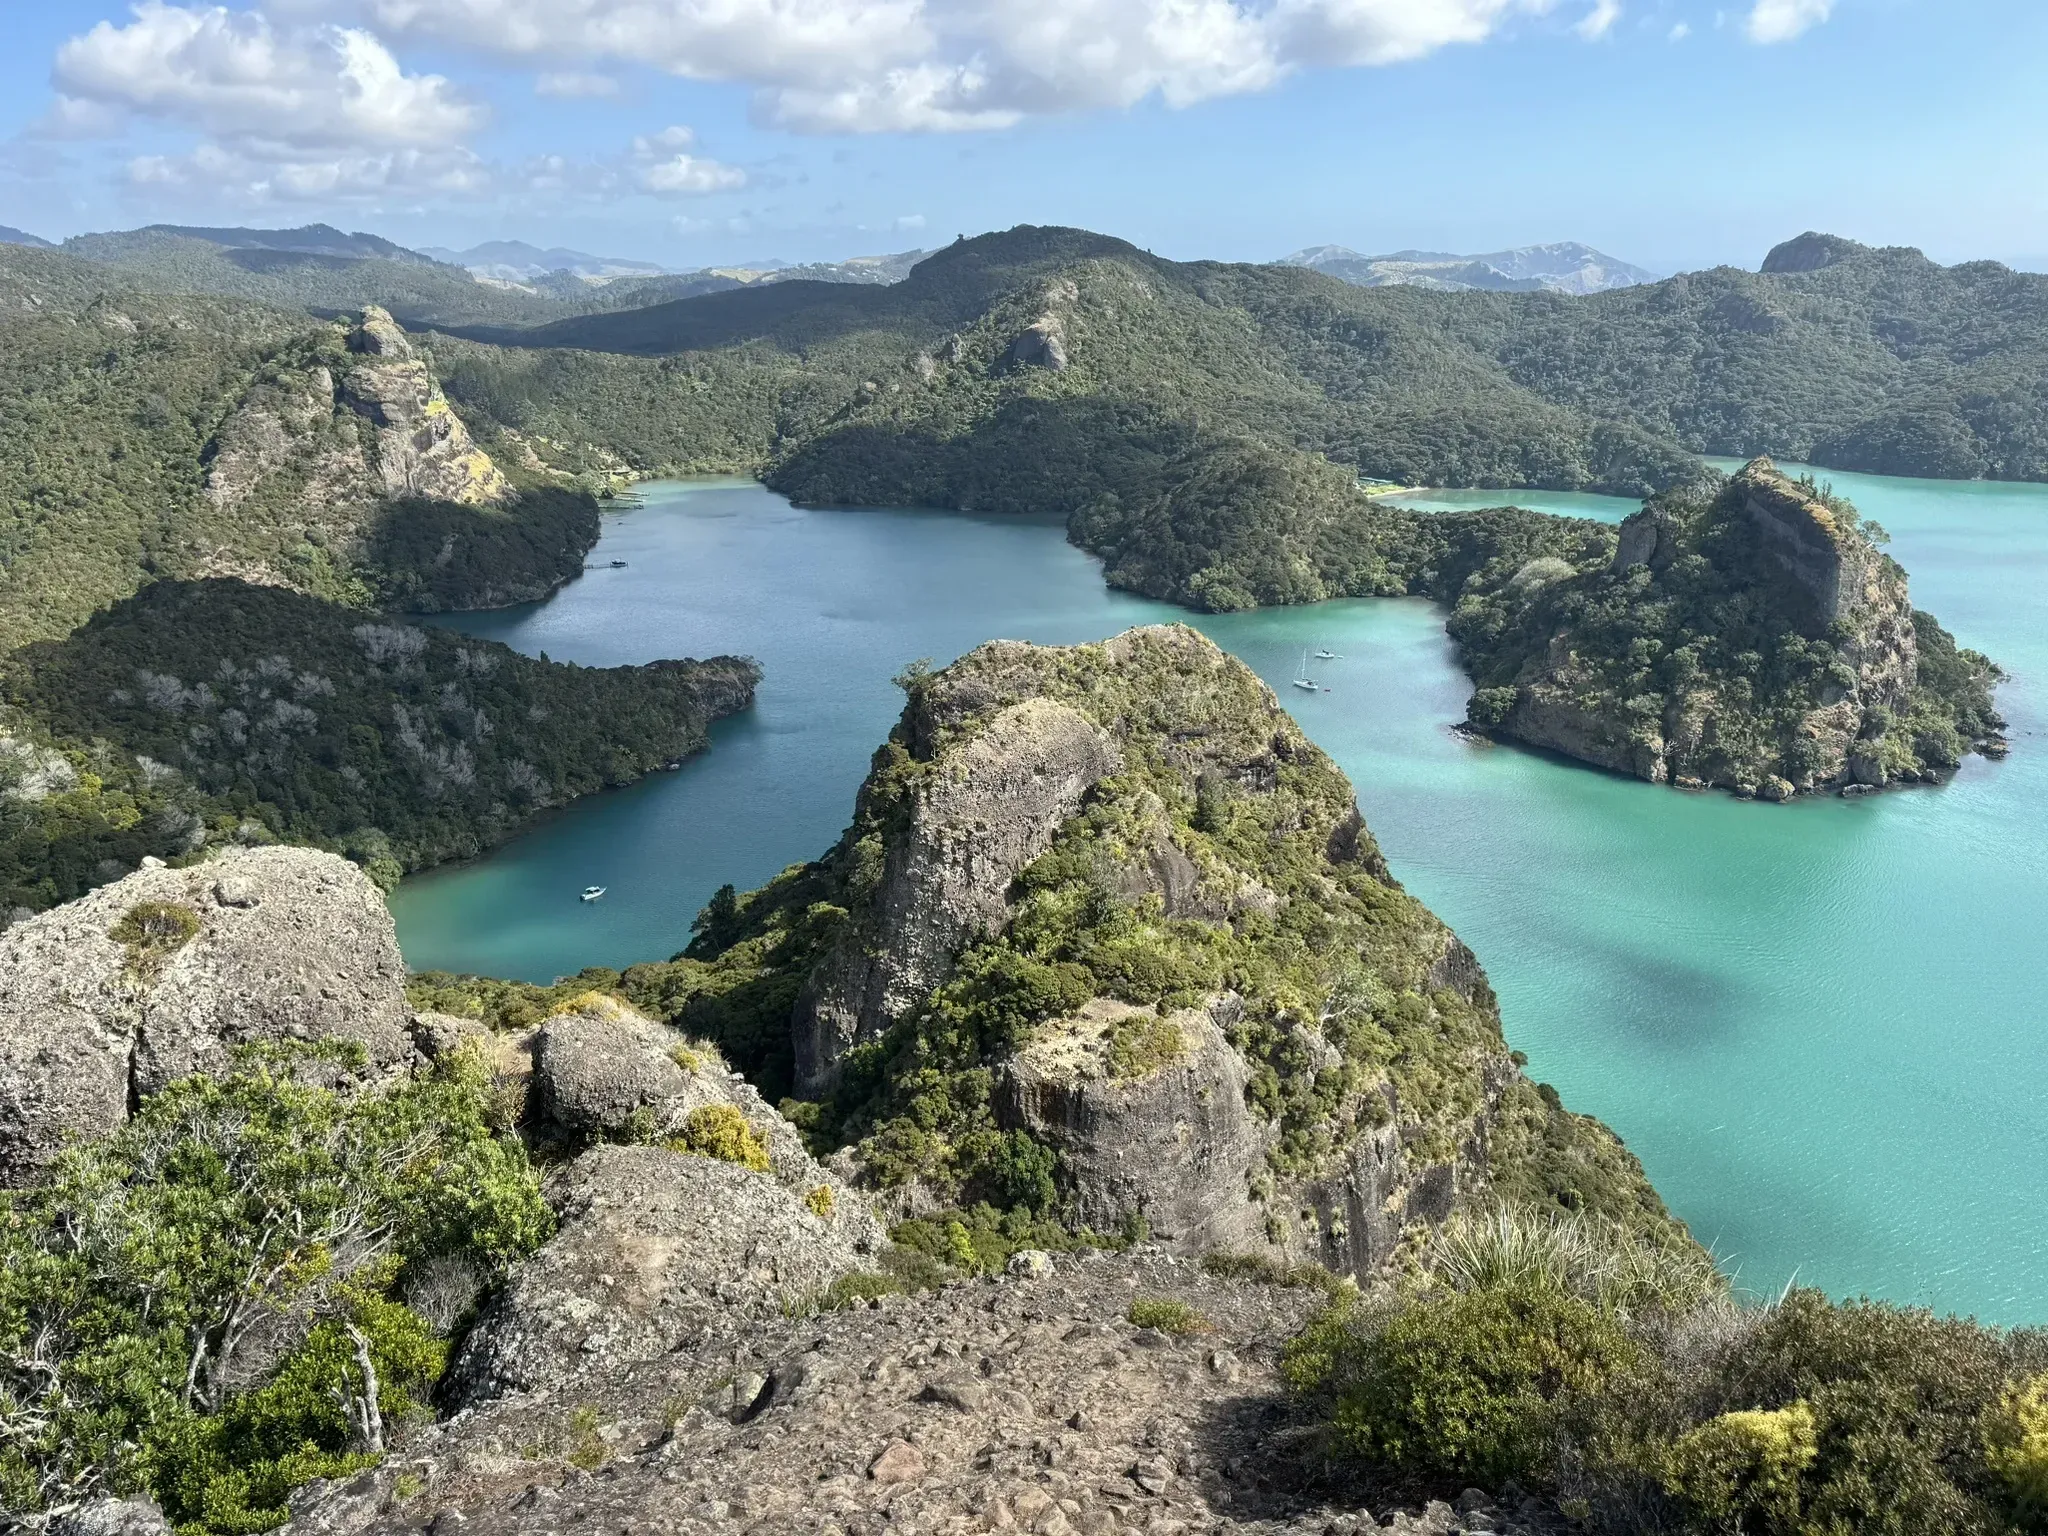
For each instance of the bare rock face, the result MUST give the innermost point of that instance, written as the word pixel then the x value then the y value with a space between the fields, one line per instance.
pixel 1040 345
pixel 987 806
pixel 1166 1135
pixel 656 1250
pixel 138 1516
pixel 106 999
pixel 423 449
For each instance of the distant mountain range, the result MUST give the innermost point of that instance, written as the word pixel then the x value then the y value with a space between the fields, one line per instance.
pixel 9 235
pixel 514 261
pixel 306 240
pixel 1565 267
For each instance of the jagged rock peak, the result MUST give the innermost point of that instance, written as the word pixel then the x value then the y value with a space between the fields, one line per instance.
pixel 422 447
pixel 379 335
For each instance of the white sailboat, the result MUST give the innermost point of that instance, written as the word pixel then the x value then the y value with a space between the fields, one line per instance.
pixel 1301 677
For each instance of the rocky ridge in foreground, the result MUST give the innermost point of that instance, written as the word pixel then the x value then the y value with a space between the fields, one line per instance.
pixel 1029 1402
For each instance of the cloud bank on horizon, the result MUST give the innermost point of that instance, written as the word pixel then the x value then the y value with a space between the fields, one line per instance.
pixel 305 100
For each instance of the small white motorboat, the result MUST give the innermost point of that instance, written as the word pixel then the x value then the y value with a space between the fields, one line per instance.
pixel 592 892
pixel 1328 656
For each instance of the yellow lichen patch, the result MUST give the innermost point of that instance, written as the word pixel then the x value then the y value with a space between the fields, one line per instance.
pixel 820 1202
pixel 722 1132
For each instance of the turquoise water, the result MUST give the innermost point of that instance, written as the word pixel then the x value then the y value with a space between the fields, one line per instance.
pixel 1819 1025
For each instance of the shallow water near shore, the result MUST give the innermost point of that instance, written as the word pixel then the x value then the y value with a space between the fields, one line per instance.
pixel 1819 1024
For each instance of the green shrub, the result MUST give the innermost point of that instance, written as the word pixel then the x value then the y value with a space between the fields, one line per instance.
pixel 139 1245
pixel 1469 1386
pixel 153 931
pixel 2016 1444
pixel 1741 1471
pixel 1168 1316
pixel 721 1131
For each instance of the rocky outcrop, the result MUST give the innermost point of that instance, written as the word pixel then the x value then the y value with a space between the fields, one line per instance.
pixel 422 447
pixel 1657 694
pixel 106 999
pixel 656 1250
pixel 1170 1138
pixel 1041 344
pixel 1025 1404
pixel 980 809
pixel 601 1069
pixel 1102 824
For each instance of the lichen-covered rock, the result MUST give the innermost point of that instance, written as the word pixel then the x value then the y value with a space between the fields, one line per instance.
pixel 602 1069
pixel 106 999
pixel 656 1250
pixel 600 1065
pixel 138 1516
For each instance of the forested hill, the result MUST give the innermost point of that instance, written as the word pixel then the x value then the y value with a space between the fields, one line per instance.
pixel 144 436
pixel 1201 424
pixel 1834 353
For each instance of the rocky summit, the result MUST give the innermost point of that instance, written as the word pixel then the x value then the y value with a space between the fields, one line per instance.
pixel 1108 937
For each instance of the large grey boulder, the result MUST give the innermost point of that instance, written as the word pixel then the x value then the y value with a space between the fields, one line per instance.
pixel 262 944
pixel 1150 1117
pixel 656 1249
pixel 604 1070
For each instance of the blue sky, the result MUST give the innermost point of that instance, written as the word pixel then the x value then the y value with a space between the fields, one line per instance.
pixel 1673 133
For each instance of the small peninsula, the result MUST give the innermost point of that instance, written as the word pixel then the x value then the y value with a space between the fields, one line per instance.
pixel 1746 632
pixel 199 715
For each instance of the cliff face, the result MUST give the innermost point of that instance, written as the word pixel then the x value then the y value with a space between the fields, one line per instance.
pixel 422 447
pixel 1748 633
pixel 1108 939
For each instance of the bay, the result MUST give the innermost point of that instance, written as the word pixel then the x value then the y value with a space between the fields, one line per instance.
pixel 1819 1025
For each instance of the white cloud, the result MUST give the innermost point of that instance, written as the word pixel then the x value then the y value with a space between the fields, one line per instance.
pixel 1779 21
pixel 233 75
pixel 667 170
pixel 896 65
pixel 575 85
pixel 1680 31
pixel 311 112
pixel 1599 21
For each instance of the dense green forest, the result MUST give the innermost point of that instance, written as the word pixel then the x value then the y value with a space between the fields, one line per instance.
pixel 145 436
pixel 1065 371
pixel 197 713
